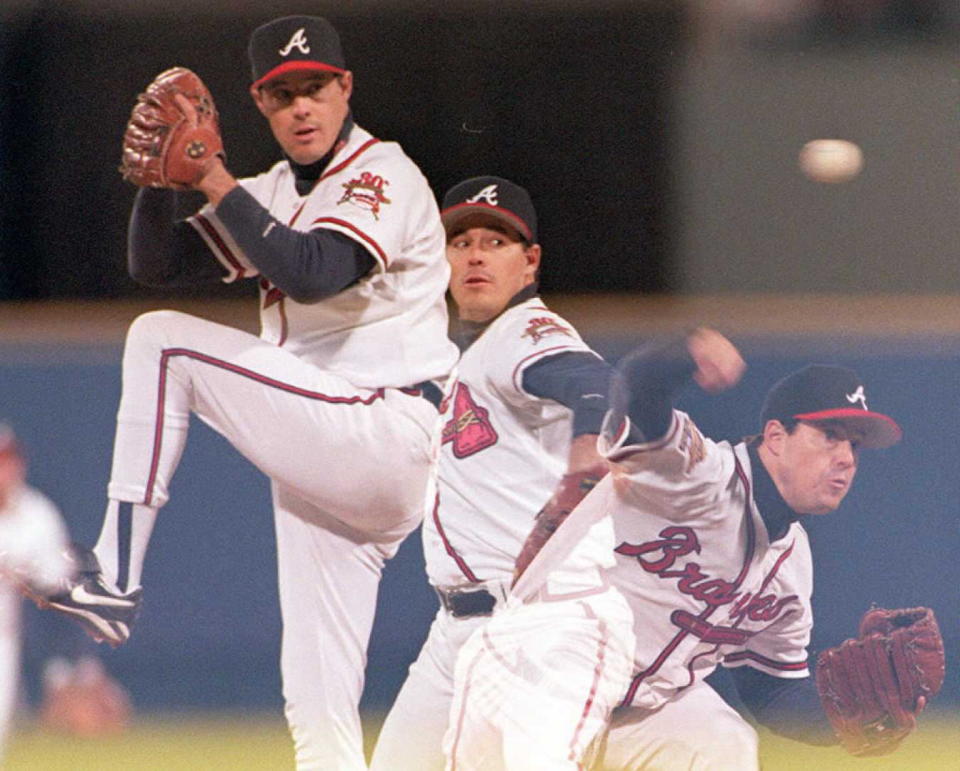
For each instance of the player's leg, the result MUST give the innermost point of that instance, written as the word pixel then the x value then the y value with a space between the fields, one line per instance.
pixel 536 684
pixel 698 731
pixel 328 579
pixel 412 734
pixel 343 447
pixel 361 454
pixel 473 740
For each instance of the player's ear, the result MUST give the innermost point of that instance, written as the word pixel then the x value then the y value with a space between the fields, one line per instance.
pixel 346 83
pixel 258 100
pixel 532 254
pixel 774 434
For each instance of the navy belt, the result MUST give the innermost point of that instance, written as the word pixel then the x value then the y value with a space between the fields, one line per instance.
pixel 465 601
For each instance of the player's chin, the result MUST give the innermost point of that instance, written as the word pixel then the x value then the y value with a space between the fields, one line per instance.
pixel 305 153
pixel 474 306
pixel 831 500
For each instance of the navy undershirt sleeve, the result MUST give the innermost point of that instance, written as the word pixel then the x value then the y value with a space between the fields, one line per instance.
pixel 306 266
pixel 162 252
pixel 644 385
pixel 787 706
pixel 578 380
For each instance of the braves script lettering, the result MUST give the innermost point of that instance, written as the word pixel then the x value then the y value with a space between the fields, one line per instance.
pixel 660 557
pixel 760 607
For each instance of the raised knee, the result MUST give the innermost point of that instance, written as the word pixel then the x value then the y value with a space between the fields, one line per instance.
pixel 154 326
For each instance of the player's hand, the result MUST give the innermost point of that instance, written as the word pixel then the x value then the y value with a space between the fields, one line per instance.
pixel 719 364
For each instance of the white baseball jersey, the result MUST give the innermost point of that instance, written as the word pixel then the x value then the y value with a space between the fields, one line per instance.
pixel 692 560
pixel 695 563
pixel 32 544
pixel 503 449
pixel 389 329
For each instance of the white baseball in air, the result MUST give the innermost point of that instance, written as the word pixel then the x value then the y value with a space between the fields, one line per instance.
pixel 831 160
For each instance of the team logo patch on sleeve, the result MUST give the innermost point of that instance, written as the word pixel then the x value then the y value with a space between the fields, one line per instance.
pixel 539 328
pixel 365 191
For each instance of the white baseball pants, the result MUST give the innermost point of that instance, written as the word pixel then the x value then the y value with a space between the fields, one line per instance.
pixel 351 470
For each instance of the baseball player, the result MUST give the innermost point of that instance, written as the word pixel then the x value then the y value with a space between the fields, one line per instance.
pixel 690 554
pixel 78 696
pixel 336 400
pixel 519 438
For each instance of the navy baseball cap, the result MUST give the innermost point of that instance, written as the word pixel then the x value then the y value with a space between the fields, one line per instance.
pixel 496 196
pixel 294 43
pixel 827 392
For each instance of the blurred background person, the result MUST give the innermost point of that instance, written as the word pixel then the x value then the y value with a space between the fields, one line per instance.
pixel 78 695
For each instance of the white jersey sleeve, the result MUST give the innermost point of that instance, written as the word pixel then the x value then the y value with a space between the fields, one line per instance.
pixel 675 476
pixel 534 333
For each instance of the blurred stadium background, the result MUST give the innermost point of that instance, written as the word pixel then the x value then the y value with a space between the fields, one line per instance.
pixel 659 140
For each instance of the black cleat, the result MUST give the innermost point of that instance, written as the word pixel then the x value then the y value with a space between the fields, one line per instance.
pixel 105 614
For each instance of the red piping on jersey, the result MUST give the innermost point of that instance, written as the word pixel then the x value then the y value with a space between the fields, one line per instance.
pixel 332 171
pixel 783 666
pixel 228 255
pixel 169 353
pixel 340 166
pixel 748 655
pixel 464 568
pixel 284 324
pixel 296 215
pixel 545 351
pixel 708 611
pixel 354 229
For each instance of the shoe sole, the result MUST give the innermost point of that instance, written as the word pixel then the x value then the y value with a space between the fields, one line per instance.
pixel 100 629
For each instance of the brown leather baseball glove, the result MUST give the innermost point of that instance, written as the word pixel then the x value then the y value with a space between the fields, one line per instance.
pixel 173 133
pixel 873 687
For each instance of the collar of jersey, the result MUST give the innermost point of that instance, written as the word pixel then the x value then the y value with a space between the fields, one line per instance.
pixel 777 516
pixel 306 176
pixel 465 333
